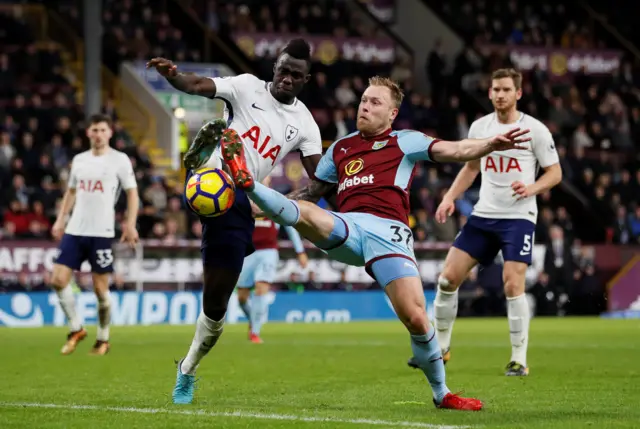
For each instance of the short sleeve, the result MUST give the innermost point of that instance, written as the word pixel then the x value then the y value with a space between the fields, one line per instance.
pixel 544 147
pixel 125 173
pixel 311 142
pixel 416 145
pixel 473 131
pixel 229 87
pixel 326 169
pixel 73 176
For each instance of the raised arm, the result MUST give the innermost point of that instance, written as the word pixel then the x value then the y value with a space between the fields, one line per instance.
pixel 189 83
pixel 471 149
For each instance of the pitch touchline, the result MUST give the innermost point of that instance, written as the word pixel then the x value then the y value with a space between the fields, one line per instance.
pixel 239 414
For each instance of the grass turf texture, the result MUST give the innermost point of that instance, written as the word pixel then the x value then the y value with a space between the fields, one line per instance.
pixel 584 373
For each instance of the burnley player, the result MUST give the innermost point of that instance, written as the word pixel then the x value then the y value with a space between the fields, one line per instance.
pixel 373 169
pixel 259 271
pixel 272 123
pixel 94 184
pixel 503 219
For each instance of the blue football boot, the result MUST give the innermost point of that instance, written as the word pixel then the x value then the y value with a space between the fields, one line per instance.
pixel 185 385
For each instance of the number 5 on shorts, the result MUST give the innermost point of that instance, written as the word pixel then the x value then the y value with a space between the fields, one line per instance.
pixel 526 247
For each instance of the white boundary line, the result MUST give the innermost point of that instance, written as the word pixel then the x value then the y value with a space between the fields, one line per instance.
pixel 238 414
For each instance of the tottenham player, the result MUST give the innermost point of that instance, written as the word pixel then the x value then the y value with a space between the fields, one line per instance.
pixel 259 271
pixel 503 219
pixel 272 122
pixel 94 182
pixel 373 169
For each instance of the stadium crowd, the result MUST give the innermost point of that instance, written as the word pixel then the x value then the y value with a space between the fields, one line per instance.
pixel 595 120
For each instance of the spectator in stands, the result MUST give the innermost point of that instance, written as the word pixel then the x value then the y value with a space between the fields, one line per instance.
pixel 558 262
pixel 634 224
pixel 545 295
pixel 595 120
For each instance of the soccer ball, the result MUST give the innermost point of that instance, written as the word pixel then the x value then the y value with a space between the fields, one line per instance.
pixel 210 192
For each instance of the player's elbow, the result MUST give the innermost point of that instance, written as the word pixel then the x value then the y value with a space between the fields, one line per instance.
pixel 473 166
pixel 203 86
pixel 555 171
pixel 132 195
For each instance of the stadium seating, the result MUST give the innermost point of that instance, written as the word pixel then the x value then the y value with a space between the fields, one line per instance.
pixel 588 112
pixel 41 131
pixel 595 120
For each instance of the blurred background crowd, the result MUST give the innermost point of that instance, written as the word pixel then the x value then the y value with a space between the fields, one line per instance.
pixel 595 119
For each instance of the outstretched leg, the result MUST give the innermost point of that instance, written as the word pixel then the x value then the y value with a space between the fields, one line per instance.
pixel 311 221
pixel 407 297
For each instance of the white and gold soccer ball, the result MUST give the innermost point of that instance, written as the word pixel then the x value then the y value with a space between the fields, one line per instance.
pixel 210 192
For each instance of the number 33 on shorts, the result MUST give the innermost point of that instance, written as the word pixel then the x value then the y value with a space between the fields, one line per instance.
pixel 104 258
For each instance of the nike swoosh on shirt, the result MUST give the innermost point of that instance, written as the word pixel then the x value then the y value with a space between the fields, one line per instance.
pixel 256 107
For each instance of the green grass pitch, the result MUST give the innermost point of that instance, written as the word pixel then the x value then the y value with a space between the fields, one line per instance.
pixel 585 373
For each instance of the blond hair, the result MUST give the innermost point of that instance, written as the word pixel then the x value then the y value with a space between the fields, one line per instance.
pixel 515 75
pixel 396 93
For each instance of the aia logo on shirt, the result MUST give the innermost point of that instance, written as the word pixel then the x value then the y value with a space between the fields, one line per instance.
pixel 354 167
pixel 264 146
pixel 91 186
pixel 502 164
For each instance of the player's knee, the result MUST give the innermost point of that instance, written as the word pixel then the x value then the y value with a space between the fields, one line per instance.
pixel 450 279
pixel 104 299
pixel 514 278
pixel 214 310
pixel 306 217
pixel 215 302
pixel 261 288
pixel 59 278
pixel 315 223
pixel 416 321
pixel 513 286
pixel 57 283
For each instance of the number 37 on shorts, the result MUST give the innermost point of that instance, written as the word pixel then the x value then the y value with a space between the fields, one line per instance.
pixel 401 235
pixel 370 237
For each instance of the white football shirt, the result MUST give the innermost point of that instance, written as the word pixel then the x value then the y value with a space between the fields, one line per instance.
pixel 500 169
pixel 97 181
pixel 269 129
